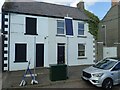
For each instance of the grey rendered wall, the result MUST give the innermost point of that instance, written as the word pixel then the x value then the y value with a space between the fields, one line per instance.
pixel 111 22
pixel 118 50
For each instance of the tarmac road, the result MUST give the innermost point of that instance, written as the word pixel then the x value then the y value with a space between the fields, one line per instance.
pixel 78 84
pixel 74 80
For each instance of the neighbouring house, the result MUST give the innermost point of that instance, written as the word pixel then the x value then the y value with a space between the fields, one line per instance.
pixel 109 33
pixel 44 34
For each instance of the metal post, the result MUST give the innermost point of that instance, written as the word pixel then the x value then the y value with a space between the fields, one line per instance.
pixel 67 56
pixel 34 55
pixel 105 37
pixel 67 49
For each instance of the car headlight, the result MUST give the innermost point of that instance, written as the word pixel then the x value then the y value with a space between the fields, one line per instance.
pixel 97 75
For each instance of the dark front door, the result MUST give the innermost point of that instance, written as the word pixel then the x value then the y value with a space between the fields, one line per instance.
pixel 61 54
pixel 39 55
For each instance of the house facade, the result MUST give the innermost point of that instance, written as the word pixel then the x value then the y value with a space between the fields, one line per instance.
pixel 36 32
pixel 109 33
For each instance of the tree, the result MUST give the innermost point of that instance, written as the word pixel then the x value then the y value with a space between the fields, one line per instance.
pixel 93 23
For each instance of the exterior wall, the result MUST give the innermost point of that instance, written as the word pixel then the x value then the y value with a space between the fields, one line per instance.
pixel 5 41
pixel 17 35
pixel 47 35
pixel 111 23
pixel 118 53
pixel 71 58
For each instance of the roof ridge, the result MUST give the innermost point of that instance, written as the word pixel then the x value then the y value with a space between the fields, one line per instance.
pixel 44 8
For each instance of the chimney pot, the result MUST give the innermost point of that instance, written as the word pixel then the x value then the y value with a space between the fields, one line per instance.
pixel 114 2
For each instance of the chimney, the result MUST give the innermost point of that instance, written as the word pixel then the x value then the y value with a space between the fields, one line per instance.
pixel 80 5
pixel 114 2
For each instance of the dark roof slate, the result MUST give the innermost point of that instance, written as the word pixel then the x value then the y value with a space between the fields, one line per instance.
pixel 44 9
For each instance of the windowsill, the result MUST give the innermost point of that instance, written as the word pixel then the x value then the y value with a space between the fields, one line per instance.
pixel 82 36
pixel 29 34
pixel 82 57
pixel 20 62
pixel 61 35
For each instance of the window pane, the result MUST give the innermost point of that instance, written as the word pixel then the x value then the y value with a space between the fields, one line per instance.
pixel 20 52
pixel 60 31
pixel 81 50
pixel 81 53
pixel 80 32
pixel 31 26
pixel 81 26
pixel 60 27
pixel 60 24
pixel 80 29
pixel 82 47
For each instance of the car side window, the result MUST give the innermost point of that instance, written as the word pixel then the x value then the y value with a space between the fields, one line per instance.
pixel 117 67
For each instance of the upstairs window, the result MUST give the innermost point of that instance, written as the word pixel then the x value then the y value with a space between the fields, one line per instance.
pixel 31 26
pixel 60 27
pixel 81 50
pixel 69 26
pixel 80 29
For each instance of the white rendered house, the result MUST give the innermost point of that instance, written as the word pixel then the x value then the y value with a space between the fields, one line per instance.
pixel 38 32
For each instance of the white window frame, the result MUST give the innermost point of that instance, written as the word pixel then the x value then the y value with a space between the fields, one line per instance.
pixel 81 29
pixel 61 27
pixel 84 50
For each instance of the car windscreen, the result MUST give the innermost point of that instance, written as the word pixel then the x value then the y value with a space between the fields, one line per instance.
pixel 105 64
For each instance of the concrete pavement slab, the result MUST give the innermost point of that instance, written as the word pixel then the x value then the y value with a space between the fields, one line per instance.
pixel 12 79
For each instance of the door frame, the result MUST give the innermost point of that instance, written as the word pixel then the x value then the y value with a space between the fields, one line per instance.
pixel 61 44
pixel 43 54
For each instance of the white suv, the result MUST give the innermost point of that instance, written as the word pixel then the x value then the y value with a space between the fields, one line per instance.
pixel 105 73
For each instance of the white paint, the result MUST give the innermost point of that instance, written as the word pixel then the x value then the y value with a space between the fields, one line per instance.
pixel 100 42
pixel 5 42
pixel 29 75
pixel 109 52
pixel 93 54
pixel 5 62
pixel 6 36
pixel 6 23
pixel 6 29
pixel 47 31
pixel 93 44
pixel 5 48
pixel 5 55
pixel 5 68
pixel 6 16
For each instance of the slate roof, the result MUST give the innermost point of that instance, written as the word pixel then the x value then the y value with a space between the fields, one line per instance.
pixel 44 9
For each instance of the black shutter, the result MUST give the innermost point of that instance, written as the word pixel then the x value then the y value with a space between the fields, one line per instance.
pixel 20 53
pixel 31 26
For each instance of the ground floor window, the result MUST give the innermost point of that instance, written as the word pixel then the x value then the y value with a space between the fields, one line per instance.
pixel 20 52
pixel 81 50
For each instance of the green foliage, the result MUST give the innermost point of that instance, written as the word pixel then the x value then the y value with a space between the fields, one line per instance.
pixel 93 23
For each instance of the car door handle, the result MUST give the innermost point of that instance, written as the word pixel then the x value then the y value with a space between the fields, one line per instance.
pixel 112 73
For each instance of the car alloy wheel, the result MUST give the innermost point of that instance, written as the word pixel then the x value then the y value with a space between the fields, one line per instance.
pixel 107 84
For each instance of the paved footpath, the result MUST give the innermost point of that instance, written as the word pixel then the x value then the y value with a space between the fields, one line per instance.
pixel 12 80
pixel 78 84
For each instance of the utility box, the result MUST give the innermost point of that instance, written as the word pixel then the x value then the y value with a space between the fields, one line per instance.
pixel 58 72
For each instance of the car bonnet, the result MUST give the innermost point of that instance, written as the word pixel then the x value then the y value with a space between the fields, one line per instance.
pixel 92 69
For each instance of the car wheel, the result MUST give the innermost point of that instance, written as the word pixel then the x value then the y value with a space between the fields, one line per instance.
pixel 107 84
